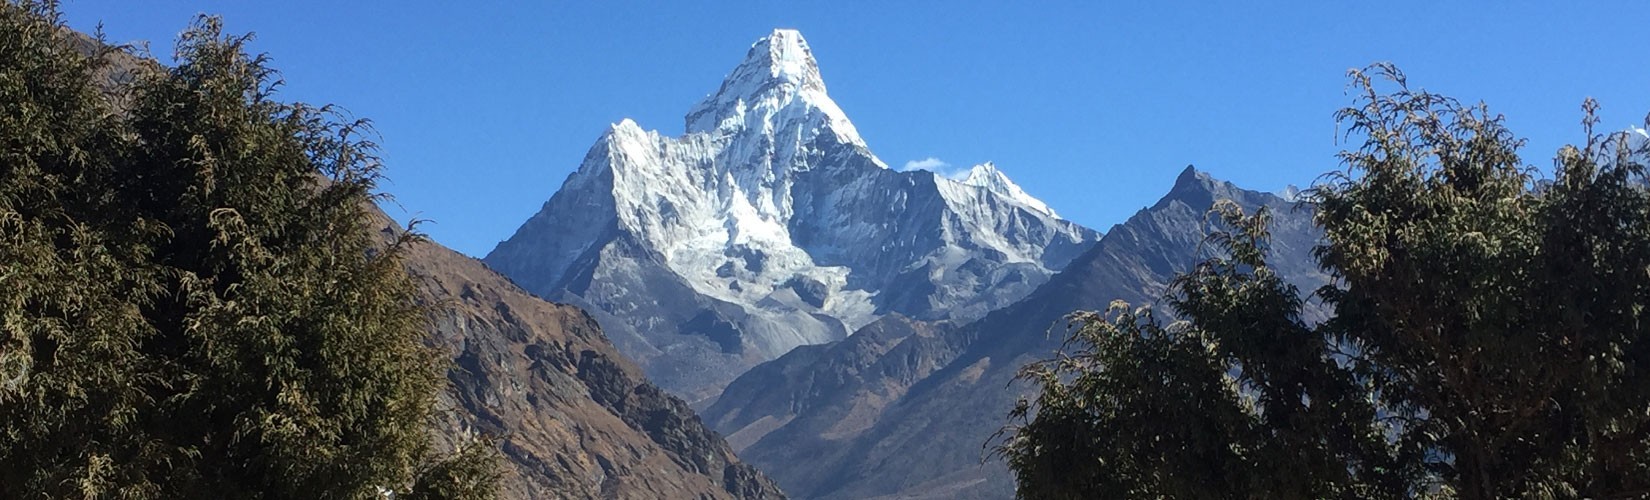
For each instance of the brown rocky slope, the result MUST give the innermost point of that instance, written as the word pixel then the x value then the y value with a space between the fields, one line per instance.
pixel 573 417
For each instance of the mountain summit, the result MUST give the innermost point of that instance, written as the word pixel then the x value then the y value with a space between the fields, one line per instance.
pixel 778 81
pixel 770 224
pixel 986 175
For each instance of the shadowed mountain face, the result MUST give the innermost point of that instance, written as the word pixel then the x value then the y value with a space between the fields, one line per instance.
pixel 574 418
pixel 905 409
pixel 769 225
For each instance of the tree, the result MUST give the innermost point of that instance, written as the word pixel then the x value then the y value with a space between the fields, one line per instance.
pixel 1487 337
pixel 192 301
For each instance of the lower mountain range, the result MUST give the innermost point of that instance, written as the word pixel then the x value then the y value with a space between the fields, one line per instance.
pixel 902 408
pixel 906 408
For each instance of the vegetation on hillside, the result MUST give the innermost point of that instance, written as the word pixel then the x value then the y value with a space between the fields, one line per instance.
pixel 1487 335
pixel 192 301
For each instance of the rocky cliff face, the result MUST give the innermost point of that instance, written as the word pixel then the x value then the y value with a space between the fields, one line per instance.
pixel 770 224
pixel 903 409
pixel 574 418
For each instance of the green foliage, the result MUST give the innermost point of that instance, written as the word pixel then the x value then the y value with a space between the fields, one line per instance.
pixel 1487 337
pixel 192 301
pixel 471 474
pixel 1498 320
pixel 1208 407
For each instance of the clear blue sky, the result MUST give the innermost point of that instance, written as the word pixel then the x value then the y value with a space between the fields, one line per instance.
pixel 1092 106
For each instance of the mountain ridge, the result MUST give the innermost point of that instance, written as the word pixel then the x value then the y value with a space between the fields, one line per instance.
pixel 919 431
pixel 769 224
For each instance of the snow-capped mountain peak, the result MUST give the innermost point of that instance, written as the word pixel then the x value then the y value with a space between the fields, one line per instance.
pixel 783 56
pixel 986 175
pixel 777 84
pixel 769 224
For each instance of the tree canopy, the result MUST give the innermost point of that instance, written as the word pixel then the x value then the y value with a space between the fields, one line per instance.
pixel 192 301
pixel 1486 334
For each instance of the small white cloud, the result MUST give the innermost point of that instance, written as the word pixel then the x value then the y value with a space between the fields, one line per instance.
pixel 938 167
pixel 929 163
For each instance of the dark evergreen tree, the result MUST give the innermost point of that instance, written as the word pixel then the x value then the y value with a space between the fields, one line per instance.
pixel 192 301
pixel 1487 336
